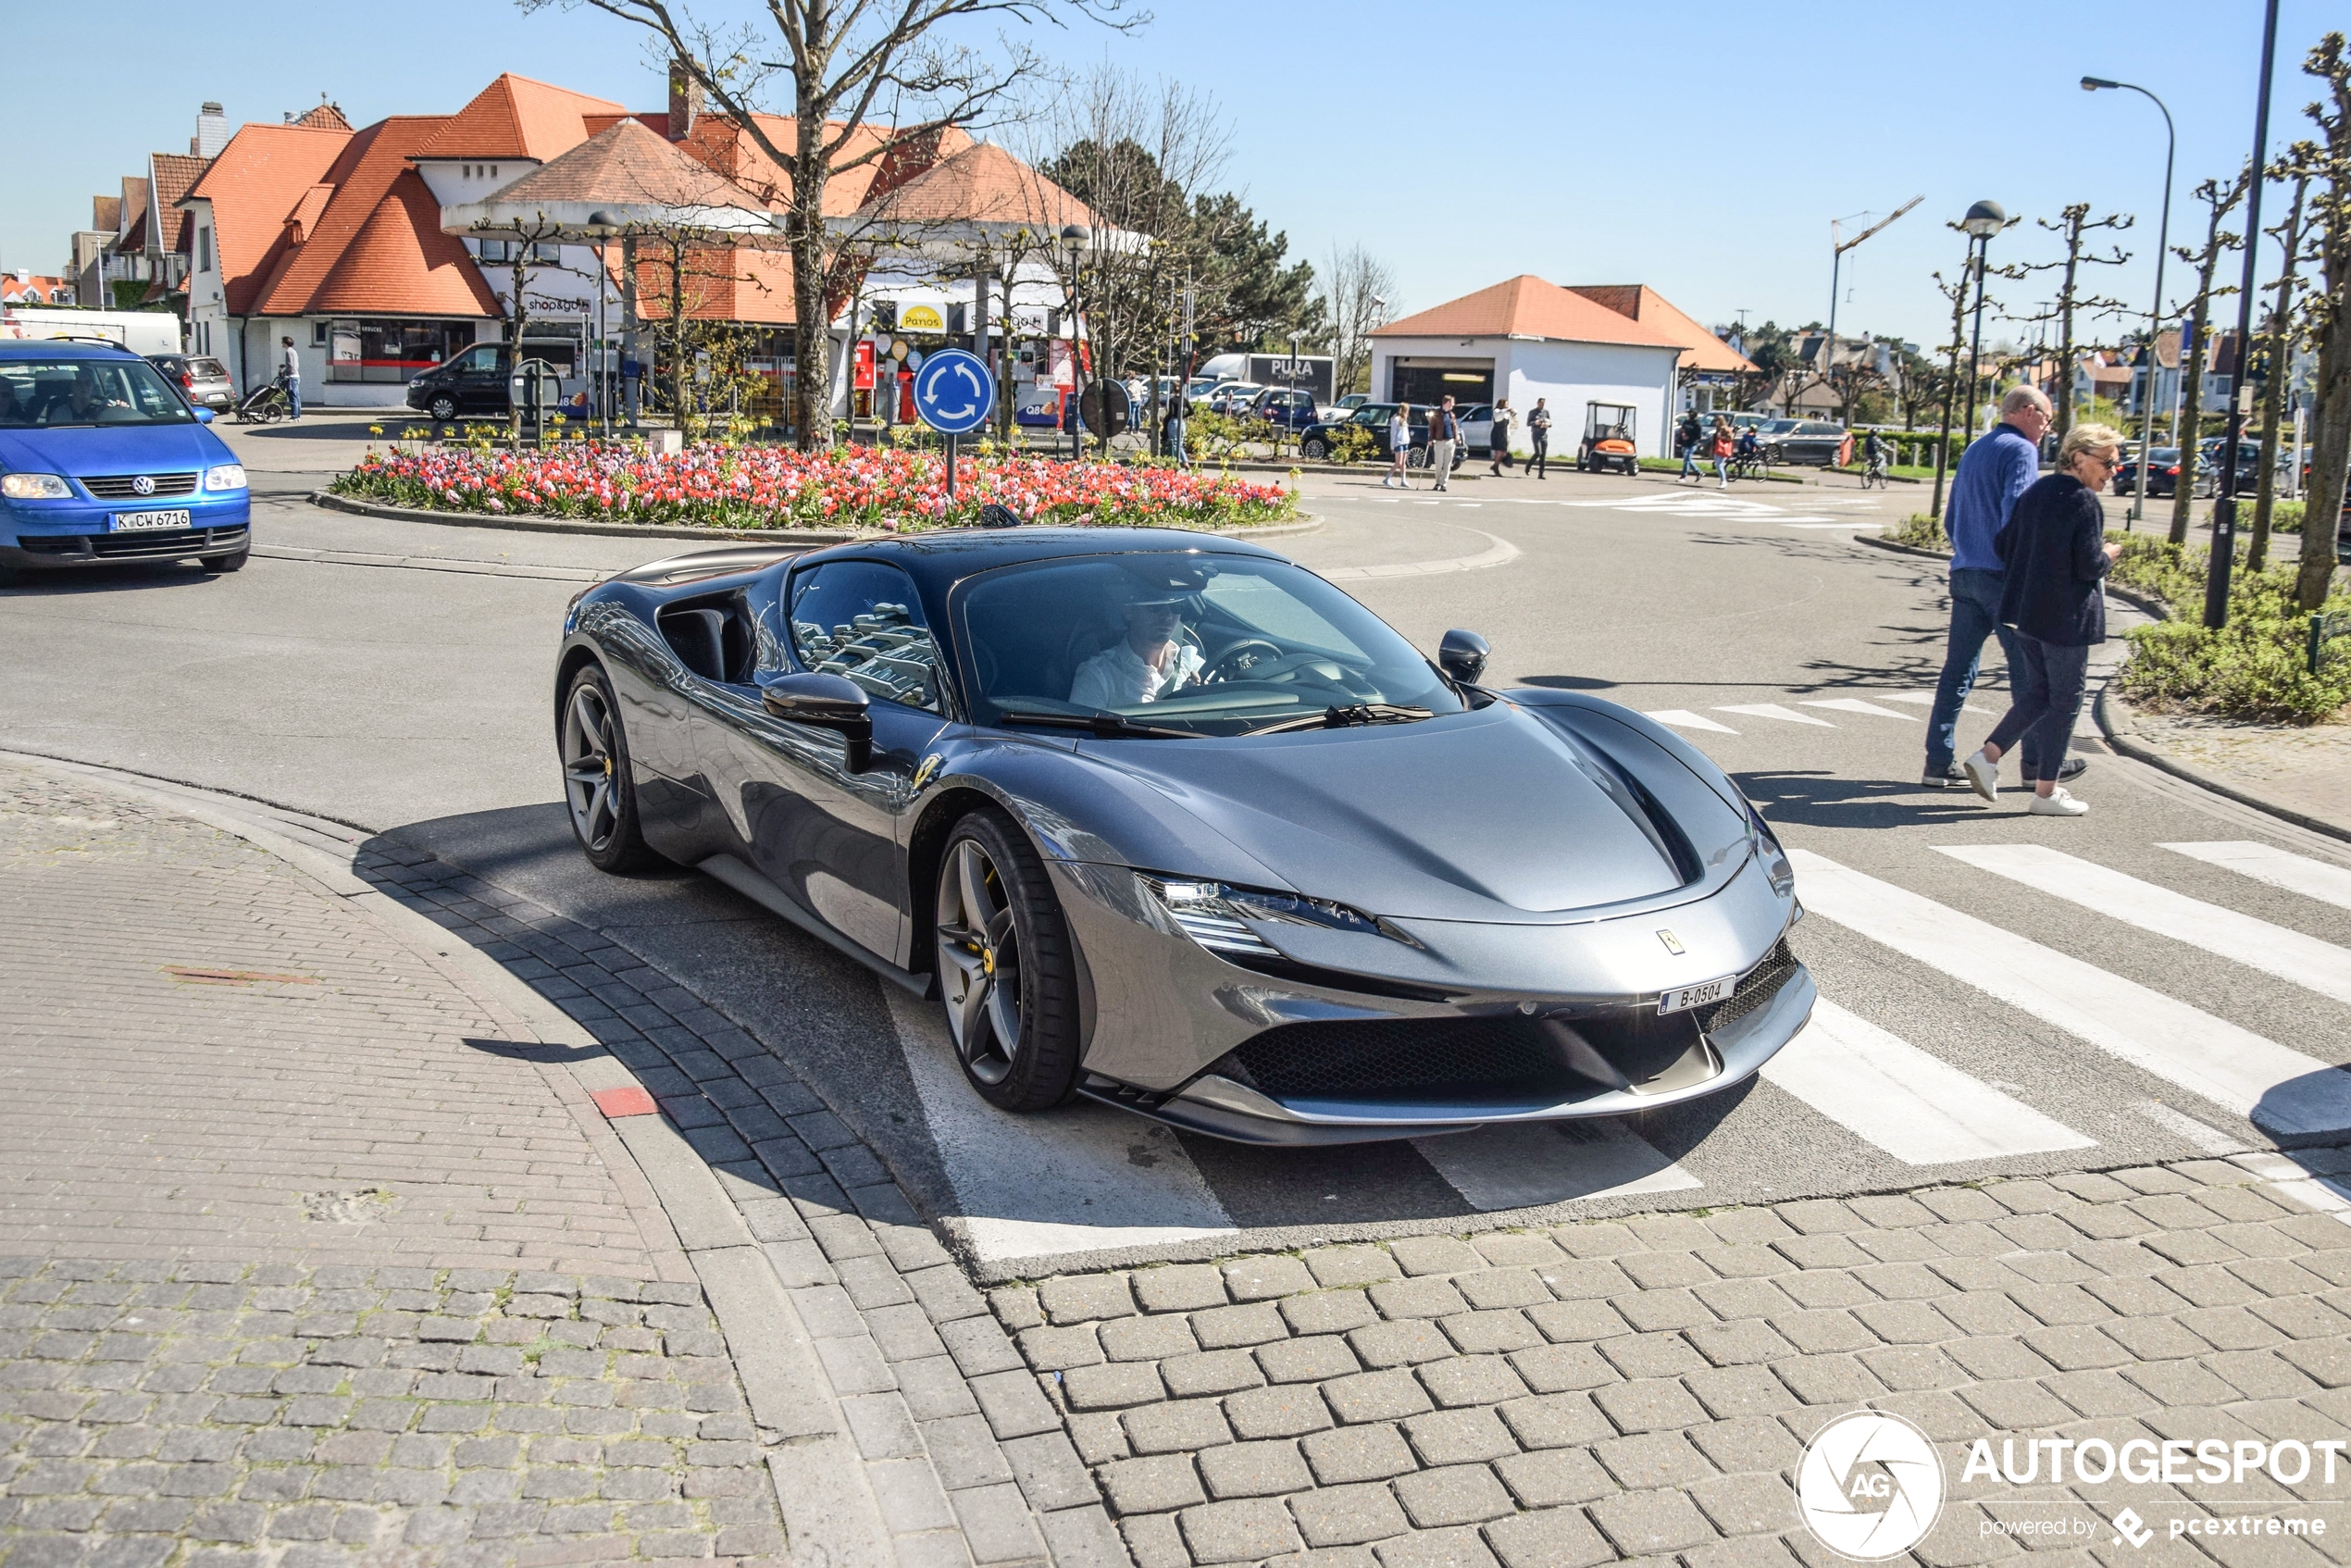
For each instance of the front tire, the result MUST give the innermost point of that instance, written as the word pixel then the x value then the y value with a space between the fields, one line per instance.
pixel 443 408
pixel 1416 459
pixel 1007 968
pixel 1313 450
pixel 597 788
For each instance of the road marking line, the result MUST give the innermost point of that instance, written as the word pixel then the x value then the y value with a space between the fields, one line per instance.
pixel 2292 1179
pixel 2274 950
pixel 1772 710
pixel 2276 1088
pixel 1086 1178
pixel 2210 1139
pixel 1845 523
pixel 1855 705
pixel 1499 552
pixel 1522 1164
pixel 1922 699
pixel 1682 718
pixel 1912 1105
pixel 2266 863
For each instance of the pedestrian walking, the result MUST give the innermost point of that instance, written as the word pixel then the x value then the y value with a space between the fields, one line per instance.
pixel 1719 448
pixel 2054 558
pixel 1997 468
pixel 1444 433
pixel 1694 443
pixel 1538 438
pixel 1497 441
pixel 1399 443
pixel 1172 431
pixel 292 374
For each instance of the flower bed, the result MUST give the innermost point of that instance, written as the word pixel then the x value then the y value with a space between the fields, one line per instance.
pixel 849 486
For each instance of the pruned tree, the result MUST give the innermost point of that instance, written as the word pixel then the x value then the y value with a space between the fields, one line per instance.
pixel 698 357
pixel 2281 340
pixel 868 80
pixel 2077 228
pixel 2330 321
pixel 1959 290
pixel 1359 296
pixel 527 241
pixel 2218 242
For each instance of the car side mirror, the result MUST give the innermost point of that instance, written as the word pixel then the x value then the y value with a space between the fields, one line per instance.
pixel 204 416
pixel 1462 656
pixel 825 702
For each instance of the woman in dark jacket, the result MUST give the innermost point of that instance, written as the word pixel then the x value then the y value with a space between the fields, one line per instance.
pixel 2054 557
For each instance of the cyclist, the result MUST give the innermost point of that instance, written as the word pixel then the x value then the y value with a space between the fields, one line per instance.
pixel 1750 452
pixel 1875 455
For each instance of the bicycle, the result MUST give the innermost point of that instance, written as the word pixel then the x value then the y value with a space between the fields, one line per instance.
pixel 1874 474
pixel 265 405
pixel 1748 466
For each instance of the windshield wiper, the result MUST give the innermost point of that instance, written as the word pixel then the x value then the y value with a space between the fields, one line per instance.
pixel 1346 719
pixel 1107 725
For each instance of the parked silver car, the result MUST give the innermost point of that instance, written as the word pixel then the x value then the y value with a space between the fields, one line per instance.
pixel 204 379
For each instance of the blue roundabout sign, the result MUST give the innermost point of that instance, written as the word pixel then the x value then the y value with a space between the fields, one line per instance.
pixel 954 391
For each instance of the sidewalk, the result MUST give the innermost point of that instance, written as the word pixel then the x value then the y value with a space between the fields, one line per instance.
pixel 326 1241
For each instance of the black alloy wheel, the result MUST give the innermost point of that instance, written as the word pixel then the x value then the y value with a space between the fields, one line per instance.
pixel 597 789
pixel 1007 972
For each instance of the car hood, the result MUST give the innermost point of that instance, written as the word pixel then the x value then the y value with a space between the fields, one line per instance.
pixel 115 449
pixel 1497 815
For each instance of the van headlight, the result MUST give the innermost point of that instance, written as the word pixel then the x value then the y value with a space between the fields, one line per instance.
pixel 35 487
pixel 225 475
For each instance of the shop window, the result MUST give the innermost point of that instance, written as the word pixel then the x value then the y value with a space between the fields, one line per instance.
pixel 392 351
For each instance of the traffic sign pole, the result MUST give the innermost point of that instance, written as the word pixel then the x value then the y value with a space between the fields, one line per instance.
pixel 950 468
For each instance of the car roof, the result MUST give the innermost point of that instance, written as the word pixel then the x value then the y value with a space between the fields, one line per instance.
pixel 61 348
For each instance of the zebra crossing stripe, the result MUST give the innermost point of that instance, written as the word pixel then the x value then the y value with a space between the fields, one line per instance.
pixel 2265 863
pixel 2275 1087
pixel 1855 705
pixel 1523 1164
pixel 1912 1105
pixel 2274 950
pixel 1772 710
pixel 1682 718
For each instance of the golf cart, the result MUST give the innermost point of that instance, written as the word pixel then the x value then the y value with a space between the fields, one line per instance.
pixel 1607 439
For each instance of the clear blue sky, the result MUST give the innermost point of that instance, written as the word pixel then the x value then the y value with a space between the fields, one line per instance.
pixel 1701 148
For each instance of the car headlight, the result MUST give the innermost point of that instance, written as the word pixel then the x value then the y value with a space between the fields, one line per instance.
pixel 1211 912
pixel 35 487
pixel 225 475
pixel 1776 867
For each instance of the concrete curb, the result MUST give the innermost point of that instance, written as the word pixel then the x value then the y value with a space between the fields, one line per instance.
pixel 1879 541
pixel 807 537
pixel 830 1512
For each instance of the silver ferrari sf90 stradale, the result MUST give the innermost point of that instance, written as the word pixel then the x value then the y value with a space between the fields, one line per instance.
pixel 1163 819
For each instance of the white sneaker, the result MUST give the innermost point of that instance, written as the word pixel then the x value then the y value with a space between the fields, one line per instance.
pixel 1984 772
pixel 2057 802
pixel 1722 484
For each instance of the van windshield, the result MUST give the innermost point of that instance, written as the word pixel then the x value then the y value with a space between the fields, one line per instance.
pixel 45 393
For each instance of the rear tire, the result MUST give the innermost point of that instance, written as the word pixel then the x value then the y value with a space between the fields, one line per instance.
pixel 1416 459
pixel 1313 450
pixel 215 565
pixel 1007 968
pixel 443 408
pixel 597 791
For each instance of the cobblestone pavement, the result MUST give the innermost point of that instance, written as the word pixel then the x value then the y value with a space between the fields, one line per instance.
pixel 1641 1389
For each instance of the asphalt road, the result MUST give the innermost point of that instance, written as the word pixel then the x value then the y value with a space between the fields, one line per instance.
pixel 2003 994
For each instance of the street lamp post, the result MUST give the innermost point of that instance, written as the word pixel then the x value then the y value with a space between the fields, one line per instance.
pixel 604 225
pixel 2155 312
pixel 2224 504
pixel 1076 239
pixel 1982 220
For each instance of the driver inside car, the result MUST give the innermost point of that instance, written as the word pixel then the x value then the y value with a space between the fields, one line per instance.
pixel 1146 664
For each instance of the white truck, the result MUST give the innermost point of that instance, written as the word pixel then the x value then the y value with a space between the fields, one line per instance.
pixel 141 331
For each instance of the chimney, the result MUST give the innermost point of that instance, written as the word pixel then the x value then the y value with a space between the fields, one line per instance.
pixel 685 101
pixel 212 131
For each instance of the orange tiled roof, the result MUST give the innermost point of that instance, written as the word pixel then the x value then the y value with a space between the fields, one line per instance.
pixel 174 172
pixel 517 117
pixel 355 253
pixel 305 216
pixel 105 214
pixel 36 289
pixel 326 116
pixel 982 184
pixel 254 187
pixel 722 284
pixel 1644 305
pixel 626 162
pixel 1526 307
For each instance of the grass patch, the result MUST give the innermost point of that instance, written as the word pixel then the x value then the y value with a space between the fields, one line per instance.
pixel 2255 669
pixel 1920 533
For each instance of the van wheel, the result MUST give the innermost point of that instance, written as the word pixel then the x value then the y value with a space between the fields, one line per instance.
pixel 442 406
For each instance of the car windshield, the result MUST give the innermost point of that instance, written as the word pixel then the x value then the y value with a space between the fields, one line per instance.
pixel 1185 645
pixel 37 394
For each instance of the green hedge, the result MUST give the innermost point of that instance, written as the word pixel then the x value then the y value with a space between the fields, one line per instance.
pixel 2255 668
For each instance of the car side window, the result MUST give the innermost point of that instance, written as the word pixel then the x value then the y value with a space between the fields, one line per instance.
pixel 864 620
pixel 482 357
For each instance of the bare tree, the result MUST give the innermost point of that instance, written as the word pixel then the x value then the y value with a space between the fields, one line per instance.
pixel 2077 227
pixel 2218 242
pixel 1958 292
pixel 2330 323
pixel 1360 296
pixel 527 241
pixel 868 80
pixel 2291 233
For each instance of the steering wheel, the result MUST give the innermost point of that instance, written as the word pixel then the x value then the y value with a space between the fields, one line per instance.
pixel 1232 654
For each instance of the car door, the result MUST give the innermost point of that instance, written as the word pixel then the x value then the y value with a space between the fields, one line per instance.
pixel 826 834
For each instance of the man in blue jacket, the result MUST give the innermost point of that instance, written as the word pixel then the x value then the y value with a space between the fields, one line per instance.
pixel 1995 469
